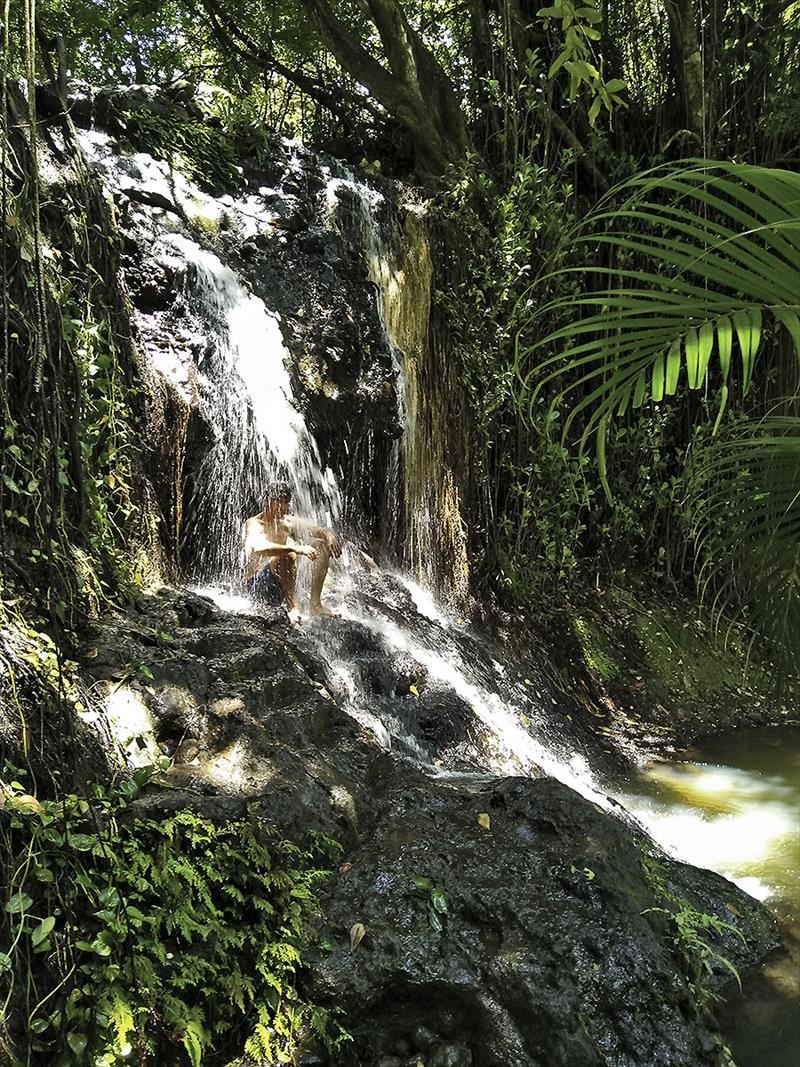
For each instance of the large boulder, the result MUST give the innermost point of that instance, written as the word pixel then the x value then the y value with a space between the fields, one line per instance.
pixel 536 937
pixel 475 921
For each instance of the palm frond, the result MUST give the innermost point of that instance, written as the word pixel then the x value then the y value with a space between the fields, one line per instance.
pixel 745 507
pixel 697 269
pixel 721 266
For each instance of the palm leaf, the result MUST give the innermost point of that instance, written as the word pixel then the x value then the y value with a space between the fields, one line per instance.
pixel 720 260
pixel 745 503
pixel 719 251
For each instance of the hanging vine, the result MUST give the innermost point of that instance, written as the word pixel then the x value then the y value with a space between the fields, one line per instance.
pixel 68 478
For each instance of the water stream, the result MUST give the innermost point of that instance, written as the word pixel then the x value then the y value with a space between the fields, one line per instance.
pixel 734 807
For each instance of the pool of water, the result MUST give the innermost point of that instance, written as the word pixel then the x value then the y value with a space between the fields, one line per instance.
pixel 733 805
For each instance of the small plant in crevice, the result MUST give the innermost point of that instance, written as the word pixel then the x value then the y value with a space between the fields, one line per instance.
pixel 692 933
pixel 436 902
pixel 126 939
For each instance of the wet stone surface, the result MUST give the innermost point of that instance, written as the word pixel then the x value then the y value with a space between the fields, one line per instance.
pixel 508 920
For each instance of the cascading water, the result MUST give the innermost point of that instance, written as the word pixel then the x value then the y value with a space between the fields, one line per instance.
pixel 245 397
pixel 428 481
pixel 362 223
pixel 241 384
pixel 421 682
pixel 403 672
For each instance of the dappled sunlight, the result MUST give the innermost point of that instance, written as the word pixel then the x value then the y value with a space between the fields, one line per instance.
pixel 131 723
pixel 231 769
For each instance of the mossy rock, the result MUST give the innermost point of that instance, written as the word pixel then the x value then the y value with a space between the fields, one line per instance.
pixel 663 675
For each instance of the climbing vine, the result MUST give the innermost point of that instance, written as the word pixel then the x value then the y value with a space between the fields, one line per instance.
pixel 68 429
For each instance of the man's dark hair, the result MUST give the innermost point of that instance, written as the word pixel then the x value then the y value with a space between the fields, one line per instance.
pixel 278 490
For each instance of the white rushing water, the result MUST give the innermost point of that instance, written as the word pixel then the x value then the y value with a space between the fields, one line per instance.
pixel 741 821
pixel 240 383
pixel 245 397
pixel 237 378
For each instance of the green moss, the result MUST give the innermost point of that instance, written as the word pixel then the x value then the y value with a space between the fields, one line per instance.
pixel 209 224
pixel 665 673
pixel 680 651
pixel 595 655
pixel 203 153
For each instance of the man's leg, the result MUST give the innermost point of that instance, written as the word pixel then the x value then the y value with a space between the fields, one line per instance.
pixel 285 570
pixel 319 571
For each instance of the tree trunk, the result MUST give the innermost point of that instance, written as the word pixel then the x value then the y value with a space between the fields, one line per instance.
pixel 414 89
pixel 687 61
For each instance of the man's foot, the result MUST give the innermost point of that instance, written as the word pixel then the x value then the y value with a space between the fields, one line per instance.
pixel 320 609
pixel 295 616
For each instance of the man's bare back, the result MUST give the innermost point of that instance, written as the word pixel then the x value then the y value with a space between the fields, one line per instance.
pixel 270 542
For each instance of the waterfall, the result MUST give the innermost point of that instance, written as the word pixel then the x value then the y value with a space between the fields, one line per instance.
pixel 405 669
pixel 245 398
pixel 240 385
pixel 427 479
pixel 363 222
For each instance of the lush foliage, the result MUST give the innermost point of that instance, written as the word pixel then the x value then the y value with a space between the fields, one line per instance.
pixel 131 939
pixel 700 286
pixel 204 154
pixel 67 483
pixel 696 936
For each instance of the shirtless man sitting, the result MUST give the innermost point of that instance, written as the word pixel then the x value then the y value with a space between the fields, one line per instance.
pixel 271 548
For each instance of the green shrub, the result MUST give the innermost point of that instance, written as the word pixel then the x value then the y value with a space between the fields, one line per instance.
pixel 135 940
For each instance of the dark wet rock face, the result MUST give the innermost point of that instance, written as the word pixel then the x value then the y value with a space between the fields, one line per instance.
pixel 298 230
pixel 508 921
pixel 547 953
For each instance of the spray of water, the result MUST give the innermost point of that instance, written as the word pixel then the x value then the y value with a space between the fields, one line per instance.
pixel 255 432
pixel 245 398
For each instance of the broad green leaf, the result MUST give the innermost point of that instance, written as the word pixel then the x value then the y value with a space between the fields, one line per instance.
pixel 674 361
pixel 641 388
pixel 658 379
pixel 724 343
pixel 81 842
pixel 77 1042
pixel 43 930
pixel 18 902
pixel 748 333
pixel 791 320
pixel 705 348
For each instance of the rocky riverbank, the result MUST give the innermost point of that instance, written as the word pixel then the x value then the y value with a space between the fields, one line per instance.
pixel 498 919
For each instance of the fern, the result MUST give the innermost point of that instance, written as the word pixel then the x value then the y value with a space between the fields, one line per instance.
pixel 122 1021
pixel 185 933
pixel 194 1041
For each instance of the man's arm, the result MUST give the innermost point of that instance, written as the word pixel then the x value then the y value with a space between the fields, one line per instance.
pixel 255 540
pixel 303 528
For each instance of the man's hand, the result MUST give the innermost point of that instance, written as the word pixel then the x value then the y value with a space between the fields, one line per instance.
pixel 307 550
pixel 333 543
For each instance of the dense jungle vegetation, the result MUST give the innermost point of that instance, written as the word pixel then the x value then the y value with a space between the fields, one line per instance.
pixel 612 193
pixel 622 309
